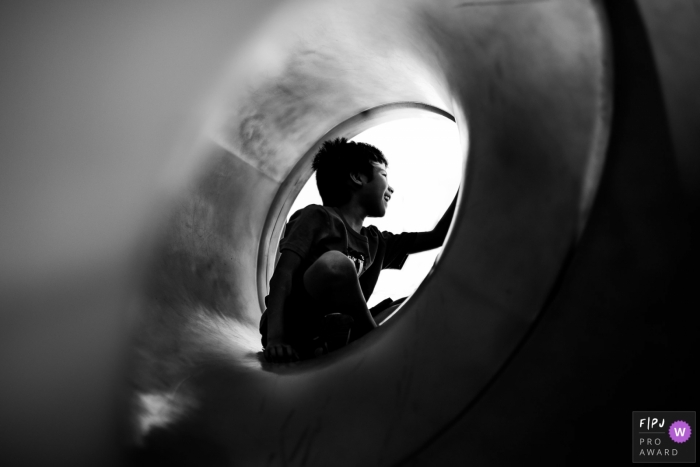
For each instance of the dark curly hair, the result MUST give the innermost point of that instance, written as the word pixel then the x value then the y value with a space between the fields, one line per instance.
pixel 334 163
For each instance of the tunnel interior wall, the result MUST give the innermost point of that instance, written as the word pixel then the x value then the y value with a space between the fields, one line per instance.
pixel 96 98
pixel 616 335
pixel 537 113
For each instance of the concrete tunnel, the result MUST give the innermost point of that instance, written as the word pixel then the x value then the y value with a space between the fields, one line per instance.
pixel 143 228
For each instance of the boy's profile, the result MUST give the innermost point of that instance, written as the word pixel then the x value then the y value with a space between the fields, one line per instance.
pixel 329 262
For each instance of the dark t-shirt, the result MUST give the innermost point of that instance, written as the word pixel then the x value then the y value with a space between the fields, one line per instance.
pixel 315 230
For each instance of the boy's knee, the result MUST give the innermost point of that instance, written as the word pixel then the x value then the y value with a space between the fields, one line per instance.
pixel 335 265
pixel 330 270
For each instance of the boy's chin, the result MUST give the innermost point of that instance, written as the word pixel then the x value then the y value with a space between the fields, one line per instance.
pixel 378 214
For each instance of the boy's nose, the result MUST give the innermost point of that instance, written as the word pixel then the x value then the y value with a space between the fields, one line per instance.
pixel 391 190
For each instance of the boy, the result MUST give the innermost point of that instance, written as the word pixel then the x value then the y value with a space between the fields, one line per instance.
pixel 329 262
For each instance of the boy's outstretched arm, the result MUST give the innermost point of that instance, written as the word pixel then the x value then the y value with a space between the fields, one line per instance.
pixel 435 238
pixel 280 287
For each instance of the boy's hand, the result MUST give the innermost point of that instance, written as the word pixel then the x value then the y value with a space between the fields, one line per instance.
pixel 279 352
pixel 276 350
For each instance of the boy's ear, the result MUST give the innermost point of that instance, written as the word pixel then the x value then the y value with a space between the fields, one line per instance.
pixel 355 179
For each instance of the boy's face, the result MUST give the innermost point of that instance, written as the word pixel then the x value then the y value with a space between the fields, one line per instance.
pixel 375 194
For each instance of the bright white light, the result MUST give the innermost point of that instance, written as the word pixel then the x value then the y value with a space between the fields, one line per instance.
pixel 425 170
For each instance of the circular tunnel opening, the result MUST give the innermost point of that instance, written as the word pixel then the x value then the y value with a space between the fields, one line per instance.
pixel 425 172
pixel 422 146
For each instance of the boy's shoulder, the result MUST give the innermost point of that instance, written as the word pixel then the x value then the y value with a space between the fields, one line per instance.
pixel 315 211
pixel 309 212
pixel 313 217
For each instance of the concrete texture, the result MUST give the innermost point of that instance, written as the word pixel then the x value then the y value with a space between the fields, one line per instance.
pixel 131 292
pixel 531 85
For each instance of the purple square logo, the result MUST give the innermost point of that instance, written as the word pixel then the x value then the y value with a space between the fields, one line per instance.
pixel 663 437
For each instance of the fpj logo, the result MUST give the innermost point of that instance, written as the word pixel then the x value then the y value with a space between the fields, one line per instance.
pixel 663 436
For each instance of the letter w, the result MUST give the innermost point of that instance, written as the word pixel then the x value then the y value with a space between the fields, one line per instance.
pixel 679 431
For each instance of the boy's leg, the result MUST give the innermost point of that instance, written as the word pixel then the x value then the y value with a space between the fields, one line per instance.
pixel 332 280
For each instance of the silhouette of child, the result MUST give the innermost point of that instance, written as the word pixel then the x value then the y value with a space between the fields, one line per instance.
pixel 329 262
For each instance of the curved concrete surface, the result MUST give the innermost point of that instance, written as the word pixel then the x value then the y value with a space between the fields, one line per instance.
pixel 529 81
pixel 545 307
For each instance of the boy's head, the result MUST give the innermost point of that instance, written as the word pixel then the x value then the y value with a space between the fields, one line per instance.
pixel 339 163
